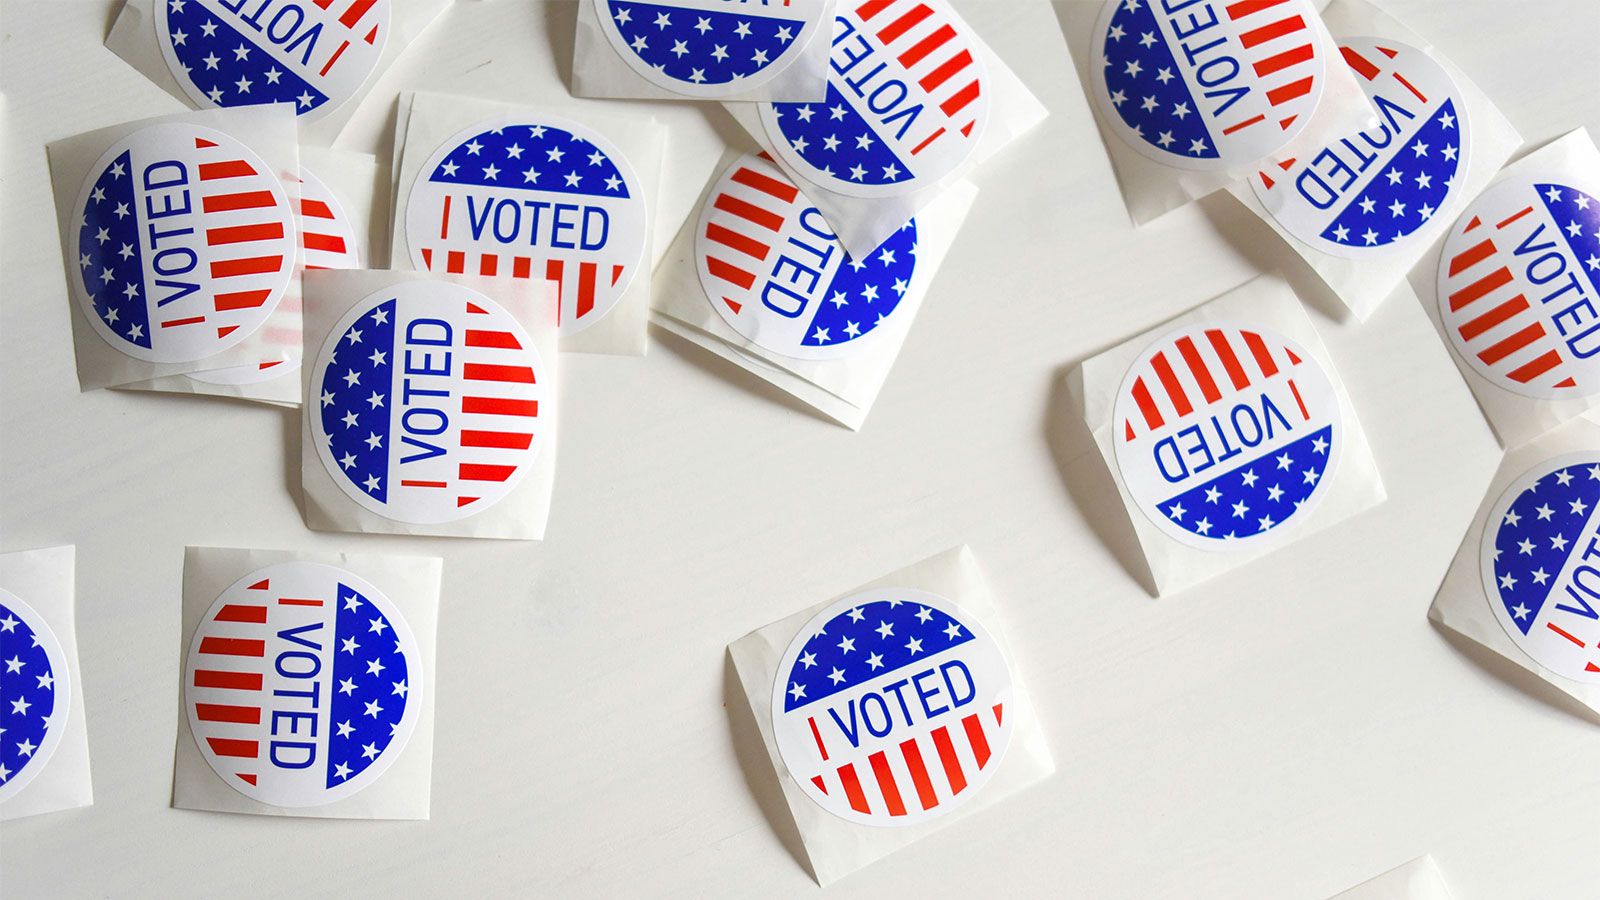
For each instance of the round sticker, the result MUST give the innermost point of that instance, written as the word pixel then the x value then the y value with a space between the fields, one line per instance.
pixel 1224 434
pixel 549 199
pixel 328 239
pixel 315 55
pixel 709 48
pixel 35 694
pixel 1377 187
pixel 907 101
pixel 1541 565
pixel 891 707
pixel 186 242
pixel 773 269
pixel 1201 84
pixel 1518 282
pixel 428 406
pixel 303 684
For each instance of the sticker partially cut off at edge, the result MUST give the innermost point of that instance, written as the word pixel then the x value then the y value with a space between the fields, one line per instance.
pixel 709 49
pixel 35 694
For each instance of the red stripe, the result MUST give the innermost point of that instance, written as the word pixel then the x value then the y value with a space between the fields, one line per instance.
pixel 235 681
pixel 894 30
pixel 505 439
pixel 586 288
pixel 297 601
pixel 728 237
pixel 495 406
pixel 821 748
pixel 480 472
pixel 766 184
pixel 1240 126
pixel 1230 362
pixel 1293 89
pixel 1169 383
pixel 238 234
pixel 1509 219
pixel 406 482
pixel 926 141
pixel 871 8
pixel 1197 368
pixel 920 50
pixel 444 218
pixel 1502 313
pixel 890 790
pixel 233 168
pixel 330 243
pixel 1299 401
pixel 191 320
pixel 230 747
pixel 1147 404
pixel 316 209
pixel 919 773
pixel 1258 349
pixel 488 264
pixel 948 758
pixel 1558 630
pixel 980 744
pixel 504 340
pixel 234 612
pixel 343 45
pixel 1249 7
pixel 222 646
pixel 521 267
pixel 1280 61
pixel 552 272
pixel 1361 64
pixel 960 99
pixel 251 265
pixel 729 272
pixel 1270 32
pixel 1493 281
pixel 946 70
pixel 1470 257
pixel 746 210
pixel 456 262
pixel 1512 344
pixel 488 372
pixel 355 12
pixel 1544 363
pixel 852 789
pixel 242 200
pixel 218 712
pixel 1410 87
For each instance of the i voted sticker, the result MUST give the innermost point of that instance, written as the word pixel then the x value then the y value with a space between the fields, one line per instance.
pixel 545 199
pixel 1207 84
pixel 1518 282
pixel 315 54
pixel 1541 565
pixel 35 694
pixel 303 684
pixel 428 399
pixel 1225 434
pixel 328 240
pixel 892 707
pixel 1379 187
pixel 770 264
pixel 907 101
pixel 186 242
pixel 709 48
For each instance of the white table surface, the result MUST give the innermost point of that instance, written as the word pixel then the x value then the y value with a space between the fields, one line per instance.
pixel 1283 732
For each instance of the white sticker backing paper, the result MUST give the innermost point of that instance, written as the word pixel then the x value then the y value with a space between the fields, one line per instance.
pixel 1228 433
pixel 1419 879
pixel 44 744
pixel 891 711
pixel 307 684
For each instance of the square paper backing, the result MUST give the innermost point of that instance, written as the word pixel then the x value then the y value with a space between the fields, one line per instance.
pixel 597 70
pixel 834 846
pixel 412 583
pixel 862 223
pixel 1269 302
pixel 1517 419
pixel 44 581
pixel 133 37
pixel 1463 606
pixel 1418 879
pixel 269 131
pixel 1366 281
pixel 519 515
pixel 843 388
pixel 426 121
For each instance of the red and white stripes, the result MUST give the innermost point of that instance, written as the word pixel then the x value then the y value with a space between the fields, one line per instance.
pixel 1198 369
pixel 1279 46
pixel 248 235
pixel 934 55
pixel 918 773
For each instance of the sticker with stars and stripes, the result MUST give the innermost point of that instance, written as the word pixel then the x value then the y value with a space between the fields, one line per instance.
pixel 546 199
pixel 427 402
pixel 185 242
pixel 771 266
pixel 1224 434
pixel 1208 84
pixel 908 98
pixel 1519 286
pixel 709 48
pixel 892 706
pixel 1541 565
pixel 315 54
pixel 1373 190
pixel 303 684
pixel 35 694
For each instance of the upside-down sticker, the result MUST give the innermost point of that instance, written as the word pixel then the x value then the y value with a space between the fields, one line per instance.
pixel 709 48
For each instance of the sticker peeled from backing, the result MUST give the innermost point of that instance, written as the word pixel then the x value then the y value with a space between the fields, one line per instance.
pixel 907 102
pixel 314 54
pixel 303 684
pixel 186 242
pixel 35 694
pixel 770 264
pixel 1376 188
pixel 427 402
pixel 891 707
pixel 709 48
pixel 1518 284
pixel 1225 434
pixel 1204 84
pixel 547 199
pixel 1541 565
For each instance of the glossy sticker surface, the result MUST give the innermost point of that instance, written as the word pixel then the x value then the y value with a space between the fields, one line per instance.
pixel 891 707
pixel 35 694
pixel 710 48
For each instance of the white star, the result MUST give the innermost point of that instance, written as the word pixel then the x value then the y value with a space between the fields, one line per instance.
pixel 1177 512
pixel 875 661
pixel 796 691
pixel 373 709
pixel 305 99
pixel 884 629
pixel 344 729
pixel 914 645
pixel 20 706
pixel 846 645
pixel 1520 611
pixel 14 664
pixel 273 75
pixel 837 675
pixel 211 60
pixel 491 172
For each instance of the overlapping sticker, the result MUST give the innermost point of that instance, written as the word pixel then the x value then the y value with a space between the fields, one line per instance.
pixel 908 99
pixel 1224 434
pixel 1207 84
pixel 1376 188
pixel 427 402
pixel 1541 565
pixel 770 264
pixel 1518 286
pixel 315 54
pixel 709 48
pixel 35 694
pixel 186 242
pixel 891 707
pixel 303 684
pixel 547 199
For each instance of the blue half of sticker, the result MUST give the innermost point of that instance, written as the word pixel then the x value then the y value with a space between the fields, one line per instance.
pixel 863 643
pixel 1256 496
pixel 1147 87
pixel 539 157
pixel 229 68
pixel 108 254
pixel 356 401
pixel 1406 194
pixel 27 695
pixel 368 696
pixel 703 47
pixel 1577 215
pixel 839 142
pixel 1538 536
pixel 865 291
